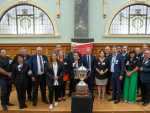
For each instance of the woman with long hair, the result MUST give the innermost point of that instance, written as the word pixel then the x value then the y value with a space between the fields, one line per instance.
pixel 62 58
pixel 54 71
pixel 101 75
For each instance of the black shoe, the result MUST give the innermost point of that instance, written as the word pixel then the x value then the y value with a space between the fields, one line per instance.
pixel 21 106
pixel 69 95
pixel 141 100
pixel 63 99
pixel 139 96
pixel 31 99
pixel 4 107
pixel 108 93
pixel 112 99
pixel 24 106
pixel 117 101
pixel 144 104
pixel 9 104
pixel 46 102
pixel 59 100
pixel 34 104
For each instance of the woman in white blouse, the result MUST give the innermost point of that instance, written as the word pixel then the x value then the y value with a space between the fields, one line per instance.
pixel 54 71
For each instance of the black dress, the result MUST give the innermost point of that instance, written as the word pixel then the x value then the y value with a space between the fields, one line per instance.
pixel 102 66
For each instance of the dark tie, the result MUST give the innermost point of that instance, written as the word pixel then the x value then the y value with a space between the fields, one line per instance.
pixel 41 64
pixel 88 62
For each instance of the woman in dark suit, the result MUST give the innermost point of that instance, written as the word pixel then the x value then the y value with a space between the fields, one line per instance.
pixel 62 58
pixel 54 71
pixel 75 64
pixel 101 75
pixel 20 79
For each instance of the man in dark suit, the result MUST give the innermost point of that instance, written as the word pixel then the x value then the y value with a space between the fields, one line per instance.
pixel 108 55
pixel 125 55
pixel 145 47
pixel 145 78
pixel 88 62
pixel 26 59
pixel 5 78
pixel 70 59
pixel 117 67
pixel 36 67
pixel 137 50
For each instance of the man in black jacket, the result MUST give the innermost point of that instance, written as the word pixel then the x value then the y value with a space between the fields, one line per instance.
pixel 5 78
pixel 107 55
pixel 71 58
pixel 26 60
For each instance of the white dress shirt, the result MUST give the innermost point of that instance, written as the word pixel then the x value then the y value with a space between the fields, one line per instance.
pixel 39 66
pixel 55 68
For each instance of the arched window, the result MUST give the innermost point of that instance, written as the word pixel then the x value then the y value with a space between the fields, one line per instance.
pixel 134 19
pixel 26 19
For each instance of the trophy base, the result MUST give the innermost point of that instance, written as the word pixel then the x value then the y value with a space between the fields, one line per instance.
pixel 82 91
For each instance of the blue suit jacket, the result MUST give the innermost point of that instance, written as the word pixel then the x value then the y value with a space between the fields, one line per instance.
pixel 120 66
pixel 145 73
pixel 84 60
pixel 126 56
pixel 33 64
pixel 141 55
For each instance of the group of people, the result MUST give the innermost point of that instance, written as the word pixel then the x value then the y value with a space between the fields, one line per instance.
pixel 127 72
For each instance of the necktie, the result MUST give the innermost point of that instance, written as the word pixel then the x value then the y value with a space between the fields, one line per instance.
pixel 88 62
pixel 41 64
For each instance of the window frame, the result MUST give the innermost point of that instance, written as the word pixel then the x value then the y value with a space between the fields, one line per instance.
pixel 28 14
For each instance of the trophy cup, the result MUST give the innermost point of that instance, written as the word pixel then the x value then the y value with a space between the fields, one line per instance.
pixel 81 87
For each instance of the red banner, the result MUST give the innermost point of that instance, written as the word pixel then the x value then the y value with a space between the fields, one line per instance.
pixel 81 47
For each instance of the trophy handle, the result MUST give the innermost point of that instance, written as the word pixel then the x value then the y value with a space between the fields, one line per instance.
pixel 89 73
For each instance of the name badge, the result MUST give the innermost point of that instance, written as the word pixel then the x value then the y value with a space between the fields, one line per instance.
pixel 134 61
pixel 103 63
pixel 146 62
pixel 44 61
pixel 127 63
pixel 19 67
pixel 73 64
pixel 99 63
pixel 65 63
pixel 116 62
pixel 10 61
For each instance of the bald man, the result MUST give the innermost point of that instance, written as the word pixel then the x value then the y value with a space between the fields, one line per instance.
pixel 70 58
pixel 36 67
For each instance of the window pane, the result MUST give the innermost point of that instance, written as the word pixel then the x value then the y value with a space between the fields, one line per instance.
pixel 8 22
pixel 137 25
pixel 133 24
pixel 119 24
pixel 25 25
pixel 43 24
pixel 148 21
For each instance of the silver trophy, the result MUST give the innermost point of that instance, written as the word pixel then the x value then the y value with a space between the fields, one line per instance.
pixel 82 87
